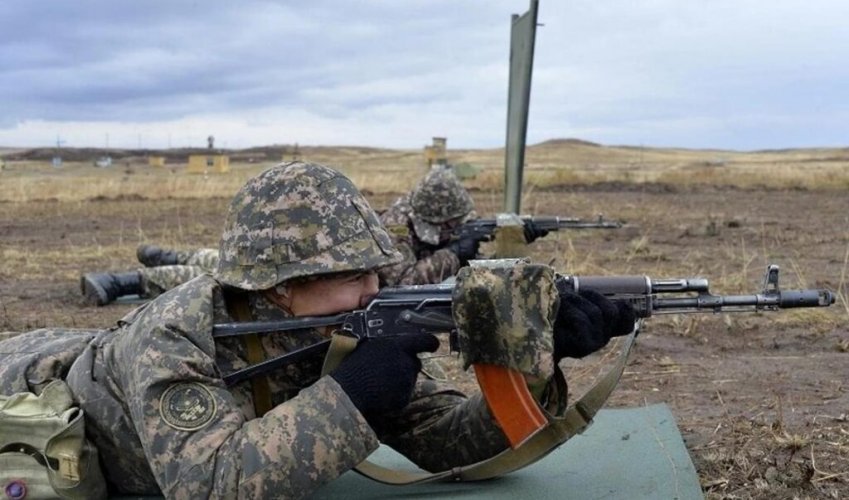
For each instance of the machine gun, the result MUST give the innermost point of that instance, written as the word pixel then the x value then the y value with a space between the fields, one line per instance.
pixel 484 229
pixel 405 310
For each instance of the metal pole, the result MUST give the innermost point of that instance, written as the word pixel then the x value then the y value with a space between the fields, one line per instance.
pixel 522 36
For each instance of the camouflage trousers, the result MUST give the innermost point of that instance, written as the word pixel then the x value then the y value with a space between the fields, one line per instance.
pixel 205 258
pixel 158 280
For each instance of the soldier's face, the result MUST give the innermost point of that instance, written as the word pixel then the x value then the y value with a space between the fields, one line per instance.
pixel 333 294
pixel 446 229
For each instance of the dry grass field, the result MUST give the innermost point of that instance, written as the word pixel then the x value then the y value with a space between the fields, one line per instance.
pixel 761 399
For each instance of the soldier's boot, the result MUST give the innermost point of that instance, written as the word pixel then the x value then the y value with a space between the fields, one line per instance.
pixel 154 256
pixel 100 289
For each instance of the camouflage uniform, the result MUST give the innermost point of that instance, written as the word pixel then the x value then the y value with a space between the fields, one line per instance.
pixel 416 223
pixel 190 264
pixel 153 392
pixel 311 436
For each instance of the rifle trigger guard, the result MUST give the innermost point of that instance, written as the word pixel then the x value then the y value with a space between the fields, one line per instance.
pixel 348 329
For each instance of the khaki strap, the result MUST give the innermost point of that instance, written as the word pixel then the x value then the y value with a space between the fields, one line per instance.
pixel 259 383
pixel 340 346
pixel 576 418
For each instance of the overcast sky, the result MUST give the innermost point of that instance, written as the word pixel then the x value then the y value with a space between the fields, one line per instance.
pixel 731 74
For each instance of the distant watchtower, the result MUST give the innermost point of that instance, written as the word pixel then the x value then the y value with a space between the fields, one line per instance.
pixel 436 153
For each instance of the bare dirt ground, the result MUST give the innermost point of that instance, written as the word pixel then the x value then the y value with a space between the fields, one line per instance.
pixel 761 399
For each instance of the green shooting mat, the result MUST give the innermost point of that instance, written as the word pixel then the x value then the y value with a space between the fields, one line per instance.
pixel 629 453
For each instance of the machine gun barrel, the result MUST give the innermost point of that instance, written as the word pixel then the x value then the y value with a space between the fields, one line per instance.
pixel 650 297
pixel 554 223
pixel 484 229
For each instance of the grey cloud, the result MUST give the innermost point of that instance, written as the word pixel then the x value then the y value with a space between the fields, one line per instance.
pixel 618 71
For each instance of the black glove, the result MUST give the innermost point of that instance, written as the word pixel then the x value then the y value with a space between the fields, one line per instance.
pixel 466 249
pixel 587 321
pixel 379 375
pixel 533 231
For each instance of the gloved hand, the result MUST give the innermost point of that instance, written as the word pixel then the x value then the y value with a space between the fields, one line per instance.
pixel 379 375
pixel 533 231
pixel 466 249
pixel 586 322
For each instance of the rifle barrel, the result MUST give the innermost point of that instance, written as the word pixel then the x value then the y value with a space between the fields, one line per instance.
pixel 784 299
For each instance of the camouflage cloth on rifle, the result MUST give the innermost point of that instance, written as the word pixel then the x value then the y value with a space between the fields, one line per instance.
pixel 420 224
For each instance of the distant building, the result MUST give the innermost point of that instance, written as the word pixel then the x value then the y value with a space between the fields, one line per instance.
pixel 204 164
pixel 156 161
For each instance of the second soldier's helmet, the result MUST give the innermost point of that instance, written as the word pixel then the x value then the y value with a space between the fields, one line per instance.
pixel 296 220
pixel 438 198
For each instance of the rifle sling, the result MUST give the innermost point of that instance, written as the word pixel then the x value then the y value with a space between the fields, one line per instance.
pixel 239 309
pixel 340 346
pixel 559 429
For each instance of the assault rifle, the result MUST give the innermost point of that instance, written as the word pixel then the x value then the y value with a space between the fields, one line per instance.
pixel 404 310
pixel 483 229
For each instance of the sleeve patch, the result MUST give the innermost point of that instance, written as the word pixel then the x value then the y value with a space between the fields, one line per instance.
pixel 187 406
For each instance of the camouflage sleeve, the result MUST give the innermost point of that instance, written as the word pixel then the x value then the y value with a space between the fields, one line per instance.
pixel 413 268
pixel 443 428
pixel 413 271
pixel 197 440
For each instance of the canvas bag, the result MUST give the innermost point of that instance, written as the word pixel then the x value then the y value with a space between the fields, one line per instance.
pixel 43 450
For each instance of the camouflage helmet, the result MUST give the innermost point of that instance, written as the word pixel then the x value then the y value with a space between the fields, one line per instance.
pixel 295 220
pixel 438 198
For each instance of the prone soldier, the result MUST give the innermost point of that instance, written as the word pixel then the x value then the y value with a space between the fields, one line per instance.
pixel 426 227
pixel 164 269
pixel 300 240
pixel 421 223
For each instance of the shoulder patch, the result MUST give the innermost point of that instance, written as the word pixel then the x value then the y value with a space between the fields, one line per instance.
pixel 398 230
pixel 187 406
